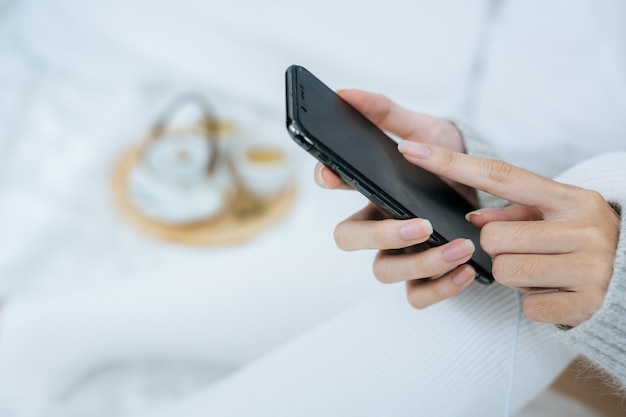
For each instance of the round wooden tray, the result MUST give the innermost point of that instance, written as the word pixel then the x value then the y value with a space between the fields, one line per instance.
pixel 244 218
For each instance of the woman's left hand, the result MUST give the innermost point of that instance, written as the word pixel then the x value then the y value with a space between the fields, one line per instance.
pixel 554 236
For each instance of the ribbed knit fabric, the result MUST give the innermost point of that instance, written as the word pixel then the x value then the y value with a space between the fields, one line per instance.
pixel 379 358
pixel 383 358
pixel 602 338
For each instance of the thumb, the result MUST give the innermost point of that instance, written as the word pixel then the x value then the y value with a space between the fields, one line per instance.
pixel 514 212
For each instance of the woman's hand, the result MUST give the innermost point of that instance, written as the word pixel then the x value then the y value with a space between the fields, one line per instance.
pixel 372 229
pixel 556 241
pixel 553 237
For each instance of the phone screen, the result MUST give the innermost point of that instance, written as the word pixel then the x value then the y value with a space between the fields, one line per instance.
pixel 368 159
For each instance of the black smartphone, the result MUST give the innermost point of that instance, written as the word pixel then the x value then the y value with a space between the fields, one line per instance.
pixel 367 159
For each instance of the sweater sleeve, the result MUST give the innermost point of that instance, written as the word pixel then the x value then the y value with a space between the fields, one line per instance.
pixel 602 338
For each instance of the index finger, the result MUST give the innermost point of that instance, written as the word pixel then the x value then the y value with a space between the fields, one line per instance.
pixel 495 177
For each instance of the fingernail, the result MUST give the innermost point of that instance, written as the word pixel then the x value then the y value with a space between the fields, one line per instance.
pixel 464 275
pixel 415 229
pixel 459 250
pixel 469 215
pixel 318 176
pixel 414 149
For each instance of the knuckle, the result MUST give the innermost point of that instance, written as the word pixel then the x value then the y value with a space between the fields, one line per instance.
pixel 509 268
pixel 592 199
pixel 500 270
pixel 537 310
pixel 381 271
pixel 591 236
pixel 442 291
pixel 448 160
pixel 489 238
pixel 600 237
pixel 415 301
pixel 589 200
pixel 381 236
pixel 498 171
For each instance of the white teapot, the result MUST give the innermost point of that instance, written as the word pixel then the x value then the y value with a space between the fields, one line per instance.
pixel 181 177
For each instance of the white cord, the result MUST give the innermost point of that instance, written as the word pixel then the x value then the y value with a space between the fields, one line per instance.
pixel 518 320
pixel 494 8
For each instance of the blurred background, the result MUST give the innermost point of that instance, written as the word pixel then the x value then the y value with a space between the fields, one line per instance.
pixel 82 82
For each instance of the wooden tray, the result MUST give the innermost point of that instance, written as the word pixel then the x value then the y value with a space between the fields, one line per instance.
pixel 243 219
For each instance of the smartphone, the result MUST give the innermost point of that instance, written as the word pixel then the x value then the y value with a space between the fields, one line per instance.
pixel 367 159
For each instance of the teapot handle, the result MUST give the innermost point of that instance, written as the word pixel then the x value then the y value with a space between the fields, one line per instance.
pixel 209 125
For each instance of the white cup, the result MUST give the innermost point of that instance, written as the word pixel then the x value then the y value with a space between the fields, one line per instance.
pixel 264 165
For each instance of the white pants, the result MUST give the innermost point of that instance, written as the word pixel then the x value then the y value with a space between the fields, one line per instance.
pixel 378 358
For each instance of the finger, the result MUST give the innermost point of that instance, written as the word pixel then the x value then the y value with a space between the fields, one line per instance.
pixel 560 307
pixel 530 237
pixel 514 212
pixel 326 178
pixel 495 177
pixel 391 268
pixel 398 120
pixel 542 271
pixel 360 232
pixel 424 293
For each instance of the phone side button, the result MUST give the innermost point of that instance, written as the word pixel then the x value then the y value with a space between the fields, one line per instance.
pixel 344 176
pixel 358 186
pixel 324 159
pixel 395 213
pixel 367 193
pixel 390 210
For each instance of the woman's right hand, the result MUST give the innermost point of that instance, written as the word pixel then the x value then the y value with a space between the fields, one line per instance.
pixel 433 274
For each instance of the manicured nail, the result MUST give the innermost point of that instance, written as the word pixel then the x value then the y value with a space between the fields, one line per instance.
pixel 318 176
pixel 469 215
pixel 459 250
pixel 415 229
pixel 464 275
pixel 414 149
